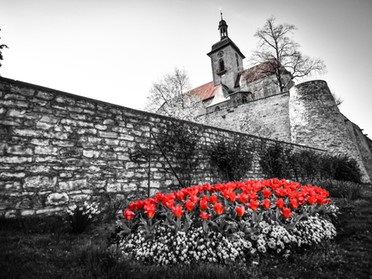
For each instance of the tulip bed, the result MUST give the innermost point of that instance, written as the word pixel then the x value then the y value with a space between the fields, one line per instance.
pixel 226 223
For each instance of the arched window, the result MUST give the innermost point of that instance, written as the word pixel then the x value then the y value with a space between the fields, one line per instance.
pixel 244 100
pixel 221 65
pixel 217 108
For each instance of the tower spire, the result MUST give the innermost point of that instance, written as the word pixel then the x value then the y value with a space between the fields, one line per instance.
pixel 222 27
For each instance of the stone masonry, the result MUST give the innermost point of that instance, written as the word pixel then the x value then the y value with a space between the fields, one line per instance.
pixel 57 148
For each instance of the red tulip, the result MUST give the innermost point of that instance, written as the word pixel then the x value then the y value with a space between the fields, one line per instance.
pixel 311 199
pixel 128 214
pixel 213 198
pixel 240 210
pixel 203 204
pixel 169 203
pixel 286 212
pixel 266 192
pixel 232 196
pixel 266 203
pixel 177 210
pixel 150 209
pixel 180 195
pixel 204 215
pixel 279 203
pixel 136 205
pixel 218 208
pixel 243 197
pixel 189 205
pixel 253 204
pixel 294 203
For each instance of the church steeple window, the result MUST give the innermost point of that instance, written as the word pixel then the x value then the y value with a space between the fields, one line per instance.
pixel 221 65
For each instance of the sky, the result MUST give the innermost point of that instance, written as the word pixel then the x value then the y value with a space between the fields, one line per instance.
pixel 114 50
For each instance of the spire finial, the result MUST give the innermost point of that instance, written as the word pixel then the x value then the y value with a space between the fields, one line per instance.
pixel 222 26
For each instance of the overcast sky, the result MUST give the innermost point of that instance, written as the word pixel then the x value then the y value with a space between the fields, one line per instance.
pixel 114 50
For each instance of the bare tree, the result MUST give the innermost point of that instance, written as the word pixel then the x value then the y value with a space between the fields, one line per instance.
pixel 277 48
pixel 170 96
pixel 1 54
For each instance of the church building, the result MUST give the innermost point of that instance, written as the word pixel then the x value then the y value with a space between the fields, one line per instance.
pixel 250 101
pixel 232 85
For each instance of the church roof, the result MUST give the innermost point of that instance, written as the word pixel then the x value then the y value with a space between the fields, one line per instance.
pixel 223 43
pixel 208 90
pixel 260 71
pixel 205 91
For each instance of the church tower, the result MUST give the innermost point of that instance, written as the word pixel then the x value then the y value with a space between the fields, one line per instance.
pixel 227 60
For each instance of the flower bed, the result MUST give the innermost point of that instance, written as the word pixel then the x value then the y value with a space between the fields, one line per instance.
pixel 225 223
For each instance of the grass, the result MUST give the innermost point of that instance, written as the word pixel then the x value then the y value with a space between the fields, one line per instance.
pixel 44 248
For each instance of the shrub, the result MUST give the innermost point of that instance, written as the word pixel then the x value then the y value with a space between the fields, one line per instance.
pixel 283 162
pixel 81 216
pixel 180 143
pixel 341 189
pixel 233 159
pixel 274 160
pixel 346 169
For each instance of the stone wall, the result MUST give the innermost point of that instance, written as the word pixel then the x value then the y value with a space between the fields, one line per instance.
pixel 57 148
pixel 266 117
pixel 316 121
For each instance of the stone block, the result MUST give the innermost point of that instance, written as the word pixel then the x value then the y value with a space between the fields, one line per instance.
pixel 14 97
pixel 39 182
pixel 87 131
pixel 44 126
pixel 46 150
pixel 126 137
pixel 49 119
pixel 91 153
pixel 79 198
pixel 78 116
pixel 10 213
pixel 57 199
pixel 111 135
pixel 13 122
pixel 63 143
pixel 74 109
pixel 40 169
pixel 72 185
pixel 12 175
pixel 28 212
pixel 49 210
pixel 45 95
pixel 65 100
pixel 26 132
pixel 108 122
pixel 41 142
pixel 85 104
pixel 113 187
pixel 29 92
pixel 15 159
pixel 100 127
pixel 16 112
pixel 50 159
pixel 13 103
pixel 88 111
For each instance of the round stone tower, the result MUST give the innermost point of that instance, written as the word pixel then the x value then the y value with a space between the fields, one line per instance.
pixel 316 121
